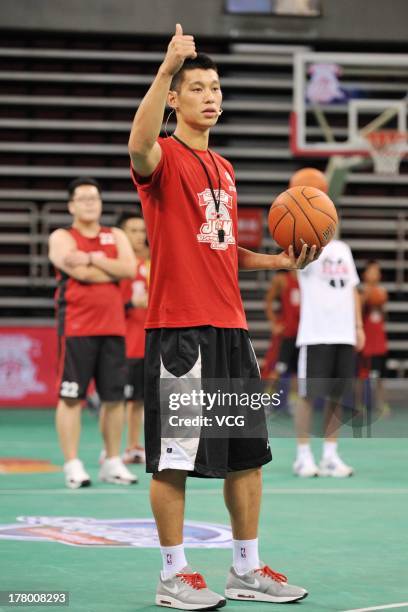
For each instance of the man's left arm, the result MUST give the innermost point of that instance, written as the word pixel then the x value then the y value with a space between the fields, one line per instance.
pixel 124 265
pixel 249 260
pixel 360 334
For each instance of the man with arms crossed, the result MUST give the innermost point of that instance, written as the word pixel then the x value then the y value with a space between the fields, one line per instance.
pixel 89 261
pixel 196 325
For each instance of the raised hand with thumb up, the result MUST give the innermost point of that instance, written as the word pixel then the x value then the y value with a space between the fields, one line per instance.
pixel 180 48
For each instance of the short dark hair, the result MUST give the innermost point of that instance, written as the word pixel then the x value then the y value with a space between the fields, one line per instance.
pixel 127 215
pixel 82 180
pixel 371 262
pixel 202 61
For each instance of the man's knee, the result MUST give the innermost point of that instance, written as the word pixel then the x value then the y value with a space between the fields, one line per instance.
pixel 71 404
pixel 255 472
pixel 112 405
pixel 170 476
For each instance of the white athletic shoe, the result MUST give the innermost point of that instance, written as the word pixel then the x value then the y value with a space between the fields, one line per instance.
pixel 131 455
pixel 335 467
pixel 75 475
pixel 115 471
pixel 134 455
pixel 305 467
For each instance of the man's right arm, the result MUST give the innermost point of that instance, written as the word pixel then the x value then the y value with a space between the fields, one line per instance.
pixel 144 150
pixel 61 244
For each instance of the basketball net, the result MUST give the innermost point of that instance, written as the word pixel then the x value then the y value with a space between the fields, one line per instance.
pixel 387 148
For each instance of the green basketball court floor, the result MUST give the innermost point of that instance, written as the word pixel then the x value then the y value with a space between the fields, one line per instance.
pixel 344 540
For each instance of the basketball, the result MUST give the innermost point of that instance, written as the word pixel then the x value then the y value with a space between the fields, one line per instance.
pixel 302 215
pixel 376 296
pixel 311 177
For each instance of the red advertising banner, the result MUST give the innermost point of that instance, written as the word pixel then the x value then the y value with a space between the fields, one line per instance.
pixel 28 367
pixel 250 227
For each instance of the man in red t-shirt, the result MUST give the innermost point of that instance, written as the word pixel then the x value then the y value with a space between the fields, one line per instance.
pixel 196 325
pixel 285 288
pixel 372 359
pixel 90 260
pixel 135 297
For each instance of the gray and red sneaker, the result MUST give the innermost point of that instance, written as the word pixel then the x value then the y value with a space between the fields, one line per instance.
pixel 187 590
pixel 262 584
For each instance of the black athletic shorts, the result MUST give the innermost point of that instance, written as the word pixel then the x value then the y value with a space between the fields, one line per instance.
pixel 83 358
pixel 326 370
pixel 202 353
pixel 287 361
pixel 373 366
pixel 134 389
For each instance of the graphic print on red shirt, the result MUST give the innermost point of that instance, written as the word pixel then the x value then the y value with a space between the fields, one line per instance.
pixel 135 316
pixel 193 276
pixel 90 309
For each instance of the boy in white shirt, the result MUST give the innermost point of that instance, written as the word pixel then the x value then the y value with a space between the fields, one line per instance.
pixel 330 332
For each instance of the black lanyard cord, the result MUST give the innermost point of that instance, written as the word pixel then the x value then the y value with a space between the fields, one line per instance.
pixel 221 233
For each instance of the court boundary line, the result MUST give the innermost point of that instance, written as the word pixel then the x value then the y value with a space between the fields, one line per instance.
pixel 331 491
pixel 360 491
pixel 384 607
pixel 66 491
pixel 266 491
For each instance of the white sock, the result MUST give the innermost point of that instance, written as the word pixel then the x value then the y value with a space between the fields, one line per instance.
pixel 304 451
pixel 246 556
pixel 174 560
pixel 329 449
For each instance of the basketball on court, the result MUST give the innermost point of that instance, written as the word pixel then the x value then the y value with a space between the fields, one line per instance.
pixel 376 296
pixel 311 177
pixel 302 215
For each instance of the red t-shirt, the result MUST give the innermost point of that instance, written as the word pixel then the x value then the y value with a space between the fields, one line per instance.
pixel 90 309
pixel 374 328
pixel 290 299
pixel 193 276
pixel 135 316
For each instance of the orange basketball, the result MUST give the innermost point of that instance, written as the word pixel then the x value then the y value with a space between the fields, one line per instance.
pixel 311 178
pixel 376 296
pixel 302 214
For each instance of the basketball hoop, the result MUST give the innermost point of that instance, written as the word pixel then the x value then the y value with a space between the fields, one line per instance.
pixel 387 148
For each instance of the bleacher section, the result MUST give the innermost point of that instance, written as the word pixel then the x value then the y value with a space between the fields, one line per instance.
pixel 66 106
